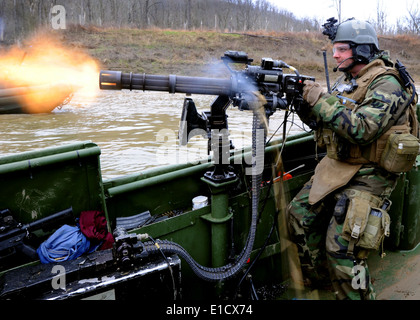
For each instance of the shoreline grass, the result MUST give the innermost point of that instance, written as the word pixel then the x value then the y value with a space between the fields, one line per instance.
pixel 164 51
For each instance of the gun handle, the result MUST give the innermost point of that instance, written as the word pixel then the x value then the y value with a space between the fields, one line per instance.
pixel 28 251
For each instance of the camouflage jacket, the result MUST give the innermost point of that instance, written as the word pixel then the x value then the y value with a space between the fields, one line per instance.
pixel 362 122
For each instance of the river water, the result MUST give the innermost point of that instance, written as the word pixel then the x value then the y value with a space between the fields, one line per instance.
pixel 134 130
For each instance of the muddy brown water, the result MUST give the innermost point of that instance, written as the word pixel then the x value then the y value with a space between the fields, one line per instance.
pixel 135 130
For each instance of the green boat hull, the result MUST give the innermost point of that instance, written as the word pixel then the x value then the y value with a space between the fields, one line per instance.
pixel 39 183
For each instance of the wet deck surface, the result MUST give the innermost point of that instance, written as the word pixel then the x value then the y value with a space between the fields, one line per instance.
pixel 397 275
pixel 394 277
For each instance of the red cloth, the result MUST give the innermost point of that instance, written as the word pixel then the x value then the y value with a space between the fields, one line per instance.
pixel 94 226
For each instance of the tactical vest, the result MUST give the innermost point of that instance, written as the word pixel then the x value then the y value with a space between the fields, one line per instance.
pixel 341 149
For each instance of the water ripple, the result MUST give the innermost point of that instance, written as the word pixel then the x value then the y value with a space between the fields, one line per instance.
pixel 135 130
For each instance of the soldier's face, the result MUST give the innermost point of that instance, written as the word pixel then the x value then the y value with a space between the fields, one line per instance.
pixel 341 52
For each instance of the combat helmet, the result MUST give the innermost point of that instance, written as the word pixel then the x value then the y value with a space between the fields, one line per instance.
pixel 359 34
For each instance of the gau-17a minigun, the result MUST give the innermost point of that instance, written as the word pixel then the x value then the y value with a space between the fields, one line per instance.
pixel 262 89
pixel 280 90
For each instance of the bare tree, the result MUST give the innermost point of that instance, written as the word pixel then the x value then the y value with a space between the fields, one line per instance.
pixel 337 5
pixel 413 19
pixel 381 25
pixel 20 17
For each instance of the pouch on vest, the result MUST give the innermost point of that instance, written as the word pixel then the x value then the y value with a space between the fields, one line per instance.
pixel 400 153
pixel 366 224
pixel 330 140
pixel 340 149
pixel 378 226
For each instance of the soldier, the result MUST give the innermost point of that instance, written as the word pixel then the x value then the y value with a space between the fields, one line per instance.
pixel 345 203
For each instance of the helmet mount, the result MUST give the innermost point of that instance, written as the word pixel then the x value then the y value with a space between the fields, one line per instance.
pixel 330 28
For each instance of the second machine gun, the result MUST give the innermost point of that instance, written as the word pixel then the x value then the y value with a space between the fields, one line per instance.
pixel 280 90
pixel 18 237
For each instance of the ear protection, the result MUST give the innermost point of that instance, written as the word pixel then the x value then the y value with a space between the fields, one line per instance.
pixel 363 53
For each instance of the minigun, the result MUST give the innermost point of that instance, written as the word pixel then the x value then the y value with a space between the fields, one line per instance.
pixel 280 90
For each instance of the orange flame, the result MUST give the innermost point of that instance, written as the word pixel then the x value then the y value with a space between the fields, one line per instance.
pixel 43 74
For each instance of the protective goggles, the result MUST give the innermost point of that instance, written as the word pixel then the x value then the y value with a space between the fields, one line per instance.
pixel 341 48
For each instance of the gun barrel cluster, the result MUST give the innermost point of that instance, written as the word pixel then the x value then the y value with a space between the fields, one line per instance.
pixel 117 80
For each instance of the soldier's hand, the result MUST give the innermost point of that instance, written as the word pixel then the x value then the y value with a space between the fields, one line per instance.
pixel 312 91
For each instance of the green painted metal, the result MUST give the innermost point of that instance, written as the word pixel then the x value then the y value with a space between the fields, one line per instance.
pixel 405 209
pixel 156 179
pixel 47 151
pixel 396 213
pixel 411 210
pixel 38 183
pixel 219 218
pixel 47 160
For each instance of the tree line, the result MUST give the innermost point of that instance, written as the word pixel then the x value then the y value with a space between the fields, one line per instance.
pixel 19 17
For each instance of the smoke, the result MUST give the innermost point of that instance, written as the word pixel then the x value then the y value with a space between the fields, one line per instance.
pixel 43 73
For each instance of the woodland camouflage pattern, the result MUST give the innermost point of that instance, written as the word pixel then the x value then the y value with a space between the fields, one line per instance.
pixel 311 227
pixel 381 108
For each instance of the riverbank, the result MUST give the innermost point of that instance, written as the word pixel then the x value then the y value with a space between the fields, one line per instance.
pixel 196 53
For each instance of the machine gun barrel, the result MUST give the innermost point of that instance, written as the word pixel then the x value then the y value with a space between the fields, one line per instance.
pixel 117 80
pixel 243 89
pixel 46 223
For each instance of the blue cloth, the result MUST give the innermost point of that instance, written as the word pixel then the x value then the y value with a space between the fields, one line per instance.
pixel 66 243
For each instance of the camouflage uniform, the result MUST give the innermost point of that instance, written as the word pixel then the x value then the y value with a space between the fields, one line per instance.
pixel 313 225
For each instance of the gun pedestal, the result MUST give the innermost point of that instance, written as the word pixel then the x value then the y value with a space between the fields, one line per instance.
pixel 219 180
pixel 220 216
pixel 220 144
pixel 214 126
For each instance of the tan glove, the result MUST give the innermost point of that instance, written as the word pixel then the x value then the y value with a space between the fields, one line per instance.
pixel 312 91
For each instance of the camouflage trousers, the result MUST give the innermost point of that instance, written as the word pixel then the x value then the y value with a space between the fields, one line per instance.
pixel 317 233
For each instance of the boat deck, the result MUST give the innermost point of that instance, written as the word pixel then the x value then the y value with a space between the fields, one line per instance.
pixel 396 276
